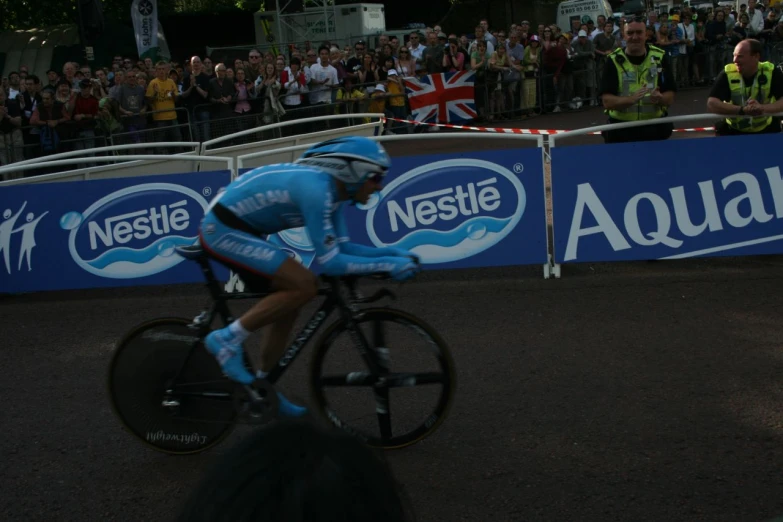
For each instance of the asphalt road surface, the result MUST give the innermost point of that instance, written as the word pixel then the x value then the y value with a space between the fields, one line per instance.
pixel 634 391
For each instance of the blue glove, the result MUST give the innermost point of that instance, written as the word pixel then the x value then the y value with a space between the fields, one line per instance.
pixel 404 269
pixel 399 252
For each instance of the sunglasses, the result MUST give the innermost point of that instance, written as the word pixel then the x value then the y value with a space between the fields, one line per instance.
pixel 376 177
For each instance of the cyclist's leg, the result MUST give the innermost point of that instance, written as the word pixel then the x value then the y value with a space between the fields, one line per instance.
pixel 294 286
pixel 277 336
pixel 250 254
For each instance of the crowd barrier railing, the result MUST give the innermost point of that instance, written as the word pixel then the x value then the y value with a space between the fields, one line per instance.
pixel 98 159
pixel 134 165
pixel 212 148
pixel 471 208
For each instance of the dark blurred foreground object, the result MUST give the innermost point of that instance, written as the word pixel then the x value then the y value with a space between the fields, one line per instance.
pixel 294 471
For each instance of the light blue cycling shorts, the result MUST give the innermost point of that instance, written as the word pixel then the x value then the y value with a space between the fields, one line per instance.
pixel 235 247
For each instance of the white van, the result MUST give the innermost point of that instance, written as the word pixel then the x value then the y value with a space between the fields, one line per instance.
pixel 576 9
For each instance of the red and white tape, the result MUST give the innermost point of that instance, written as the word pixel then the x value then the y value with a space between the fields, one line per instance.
pixel 481 129
pixel 503 130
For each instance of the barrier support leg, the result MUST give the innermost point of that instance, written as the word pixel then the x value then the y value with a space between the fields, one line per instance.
pixel 234 283
pixel 556 270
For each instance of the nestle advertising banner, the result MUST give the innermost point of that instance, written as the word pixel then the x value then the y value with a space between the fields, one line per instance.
pixel 459 210
pixel 668 200
pixel 102 233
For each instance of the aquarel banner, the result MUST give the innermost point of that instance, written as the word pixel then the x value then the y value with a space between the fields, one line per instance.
pixel 668 200
pixel 459 210
pixel 103 233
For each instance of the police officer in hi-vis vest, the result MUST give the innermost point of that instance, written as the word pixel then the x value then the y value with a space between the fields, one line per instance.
pixel 637 85
pixel 747 87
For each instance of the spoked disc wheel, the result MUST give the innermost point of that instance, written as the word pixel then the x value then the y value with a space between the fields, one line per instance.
pixel 402 404
pixel 187 418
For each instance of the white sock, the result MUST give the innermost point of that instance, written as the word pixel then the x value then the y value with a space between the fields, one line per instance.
pixel 238 332
pixel 260 374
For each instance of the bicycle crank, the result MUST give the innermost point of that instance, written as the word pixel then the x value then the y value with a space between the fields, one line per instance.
pixel 258 404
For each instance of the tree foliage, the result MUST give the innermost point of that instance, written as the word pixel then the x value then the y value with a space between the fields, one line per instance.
pixel 27 14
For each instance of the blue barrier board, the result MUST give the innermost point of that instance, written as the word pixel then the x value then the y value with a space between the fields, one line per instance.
pixel 667 200
pixel 102 233
pixel 458 210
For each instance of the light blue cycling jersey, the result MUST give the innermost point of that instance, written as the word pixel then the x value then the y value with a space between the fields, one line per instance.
pixel 283 196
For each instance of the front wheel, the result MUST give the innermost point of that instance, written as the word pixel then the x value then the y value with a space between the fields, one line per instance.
pixel 168 391
pixel 413 361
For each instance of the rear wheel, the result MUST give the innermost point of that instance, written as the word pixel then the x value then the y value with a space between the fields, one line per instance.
pixel 181 418
pixel 416 381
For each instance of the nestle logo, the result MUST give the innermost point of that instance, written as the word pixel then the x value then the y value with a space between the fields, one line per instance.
pixel 133 232
pixel 448 210
pixel 446 204
pixel 141 224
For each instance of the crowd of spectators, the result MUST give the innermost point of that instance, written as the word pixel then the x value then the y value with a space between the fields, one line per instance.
pixel 520 70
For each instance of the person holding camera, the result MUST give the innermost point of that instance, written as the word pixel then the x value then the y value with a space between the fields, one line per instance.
pixel 748 92
pixel 454 58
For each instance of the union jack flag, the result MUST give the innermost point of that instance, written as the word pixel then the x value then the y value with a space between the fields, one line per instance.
pixel 444 97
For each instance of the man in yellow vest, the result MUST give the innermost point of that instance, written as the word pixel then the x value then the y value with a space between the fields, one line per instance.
pixel 637 84
pixel 747 87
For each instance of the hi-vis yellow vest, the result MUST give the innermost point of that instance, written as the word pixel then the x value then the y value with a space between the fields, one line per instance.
pixel 759 91
pixel 634 77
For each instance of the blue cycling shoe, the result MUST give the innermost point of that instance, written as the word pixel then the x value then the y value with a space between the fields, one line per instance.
pixel 288 409
pixel 228 355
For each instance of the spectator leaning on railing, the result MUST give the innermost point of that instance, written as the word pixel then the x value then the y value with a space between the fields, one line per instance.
pixel 132 105
pixel 637 85
pixel 747 87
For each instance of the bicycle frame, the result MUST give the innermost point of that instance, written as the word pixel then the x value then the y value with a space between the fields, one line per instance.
pixel 219 307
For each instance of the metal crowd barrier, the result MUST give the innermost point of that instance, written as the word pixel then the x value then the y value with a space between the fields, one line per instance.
pixel 496 197
pixel 130 164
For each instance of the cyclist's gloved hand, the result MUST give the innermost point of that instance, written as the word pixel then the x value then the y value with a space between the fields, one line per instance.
pixel 404 268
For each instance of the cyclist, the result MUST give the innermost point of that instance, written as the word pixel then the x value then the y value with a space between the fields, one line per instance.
pixel 266 200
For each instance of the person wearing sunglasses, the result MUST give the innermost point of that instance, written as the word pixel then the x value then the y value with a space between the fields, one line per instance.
pixel 307 193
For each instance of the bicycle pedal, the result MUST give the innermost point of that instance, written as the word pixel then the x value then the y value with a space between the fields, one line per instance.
pixel 257 403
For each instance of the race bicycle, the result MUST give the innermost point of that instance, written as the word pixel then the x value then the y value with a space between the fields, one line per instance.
pixel 168 391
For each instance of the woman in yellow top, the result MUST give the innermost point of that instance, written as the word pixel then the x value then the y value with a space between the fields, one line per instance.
pixel 395 104
pixel 532 64
pixel 499 66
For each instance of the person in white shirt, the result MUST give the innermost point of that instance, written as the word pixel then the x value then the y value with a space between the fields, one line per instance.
pixel 323 78
pixel 415 46
pixel 652 21
pixel 686 50
pixel 480 35
pixel 592 31
pixel 488 37
pixel 14 87
pixel 756 18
